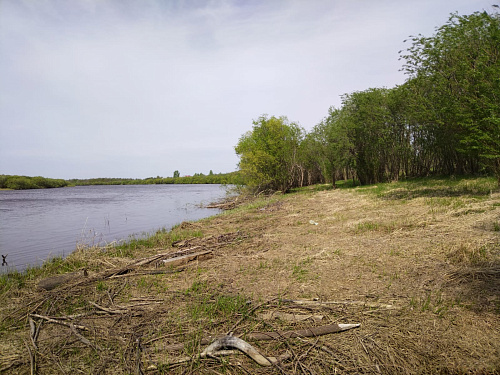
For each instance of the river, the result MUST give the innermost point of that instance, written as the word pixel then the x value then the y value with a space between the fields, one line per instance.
pixel 38 224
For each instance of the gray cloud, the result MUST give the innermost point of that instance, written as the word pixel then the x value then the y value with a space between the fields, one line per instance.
pixel 142 88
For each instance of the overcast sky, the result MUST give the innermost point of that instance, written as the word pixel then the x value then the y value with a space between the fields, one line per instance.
pixel 139 88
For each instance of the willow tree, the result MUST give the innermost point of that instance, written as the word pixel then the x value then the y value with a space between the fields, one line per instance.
pixel 269 154
pixel 456 74
pixel 366 116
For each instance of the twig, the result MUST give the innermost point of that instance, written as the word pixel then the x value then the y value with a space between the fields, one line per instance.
pixel 111 311
pixel 160 338
pixel 33 332
pixel 50 320
pixel 138 357
pixel 251 312
pixel 32 359
pixel 357 303
pixel 83 339
pixel 147 272
pixel 290 317
pixel 279 335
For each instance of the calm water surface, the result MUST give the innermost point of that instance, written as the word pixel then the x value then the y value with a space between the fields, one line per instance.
pixel 37 224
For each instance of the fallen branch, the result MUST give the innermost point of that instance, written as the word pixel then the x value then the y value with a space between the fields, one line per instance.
pixel 32 359
pixel 54 281
pixel 82 338
pixel 290 317
pixel 147 272
pixel 237 343
pixel 358 303
pixel 267 336
pixel 50 320
pixel 34 331
pixel 216 349
pixel 179 261
pixel 110 311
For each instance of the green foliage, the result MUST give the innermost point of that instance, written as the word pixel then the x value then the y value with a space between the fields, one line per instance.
pixel 268 154
pixel 444 120
pixel 455 83
pixel 231 178
pixel 24 182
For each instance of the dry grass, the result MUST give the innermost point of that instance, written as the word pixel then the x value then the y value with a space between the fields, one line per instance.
pixel 431 252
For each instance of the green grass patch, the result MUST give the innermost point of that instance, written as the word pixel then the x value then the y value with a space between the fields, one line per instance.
pixel 367 226
pixel 435 303
pixel 433 187
pixel 496 226
pixel 162 238
pixel 206 306
pixel 300 271
pixel 53 266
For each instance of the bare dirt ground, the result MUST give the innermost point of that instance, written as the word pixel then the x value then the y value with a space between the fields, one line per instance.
pixel 418 269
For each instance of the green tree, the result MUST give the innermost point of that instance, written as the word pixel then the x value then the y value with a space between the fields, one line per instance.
pixel 367 120
pixel 328 147
pixel 176 174
pixel 456 76
pixel 269 154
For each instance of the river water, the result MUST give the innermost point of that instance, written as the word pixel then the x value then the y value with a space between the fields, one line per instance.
pixel 39 224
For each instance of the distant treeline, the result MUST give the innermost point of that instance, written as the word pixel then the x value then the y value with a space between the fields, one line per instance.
pixel 25 182
pixel 232 178
pixel 444 120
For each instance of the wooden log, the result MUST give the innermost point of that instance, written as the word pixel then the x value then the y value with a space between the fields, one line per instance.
pixel 179 261
pixel 171 261
pixel 52 282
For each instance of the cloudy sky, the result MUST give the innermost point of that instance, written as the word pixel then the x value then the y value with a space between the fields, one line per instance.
pixel 139 88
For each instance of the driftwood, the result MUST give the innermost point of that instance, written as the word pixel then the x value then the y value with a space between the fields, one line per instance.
pixel 220 346
pixel 326 303
pixel 267 336
pixel 179 261
pixel 167 259
pixel 52 282
pixel 179 258
pixel 290 317
pixel 225 205
pixel 237 343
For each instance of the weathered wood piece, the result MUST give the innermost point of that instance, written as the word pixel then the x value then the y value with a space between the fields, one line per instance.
pixel 290 317
pixel 267 336
pixel 181 260
pixel 326 303
pixel 217 349
pixel 237 343
pixel 52 282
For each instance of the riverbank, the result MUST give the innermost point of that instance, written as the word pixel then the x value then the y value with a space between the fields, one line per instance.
pixel 416 264
pixel 15 182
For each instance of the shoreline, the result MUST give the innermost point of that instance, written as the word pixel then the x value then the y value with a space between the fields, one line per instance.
pixel 414 265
